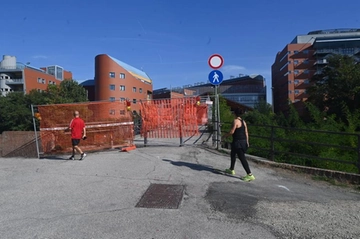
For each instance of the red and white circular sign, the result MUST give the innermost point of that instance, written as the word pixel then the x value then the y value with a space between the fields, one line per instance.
pixel 216 61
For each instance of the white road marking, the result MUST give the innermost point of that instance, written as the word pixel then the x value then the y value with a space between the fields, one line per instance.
pixel 281 186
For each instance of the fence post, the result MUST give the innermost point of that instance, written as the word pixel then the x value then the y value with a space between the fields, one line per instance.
pixel 358 150
pixel 36 136
pixel 181 136
pixel 145 136
pixel 272 143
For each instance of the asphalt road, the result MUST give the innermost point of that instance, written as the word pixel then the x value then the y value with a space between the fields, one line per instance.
pixel 97 198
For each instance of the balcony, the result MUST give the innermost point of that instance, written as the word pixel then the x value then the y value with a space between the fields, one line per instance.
pixel 11 68
pixel 14 81
pixel 318 72
pixel 341 51
pixel 321 62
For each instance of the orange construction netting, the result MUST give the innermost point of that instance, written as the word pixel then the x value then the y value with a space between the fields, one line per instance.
pixel 171 118
pixel 108 125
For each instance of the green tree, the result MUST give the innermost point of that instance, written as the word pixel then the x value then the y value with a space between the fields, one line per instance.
pixel 264 108
pixel 15 107
pixel 15 113
pixel 336 86
pixel 69 91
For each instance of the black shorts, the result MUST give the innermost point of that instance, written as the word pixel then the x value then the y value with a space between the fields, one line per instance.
pixel 75 142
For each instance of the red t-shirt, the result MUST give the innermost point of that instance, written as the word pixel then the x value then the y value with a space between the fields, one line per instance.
pixel 77 125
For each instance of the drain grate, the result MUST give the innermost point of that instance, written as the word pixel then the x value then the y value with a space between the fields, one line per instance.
pixel 164 196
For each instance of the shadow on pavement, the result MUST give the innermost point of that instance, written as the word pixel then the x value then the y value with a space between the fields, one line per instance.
pixel 199 167
pixel 59 157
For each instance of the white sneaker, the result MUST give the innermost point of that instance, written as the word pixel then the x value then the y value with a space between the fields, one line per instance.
pixel 83 155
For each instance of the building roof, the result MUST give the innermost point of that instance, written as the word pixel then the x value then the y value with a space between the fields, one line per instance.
pixel 22 66
pixel 88 83
pixel 326 34
pixel 132 70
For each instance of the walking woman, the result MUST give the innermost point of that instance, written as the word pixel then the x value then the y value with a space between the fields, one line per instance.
pixel 239 145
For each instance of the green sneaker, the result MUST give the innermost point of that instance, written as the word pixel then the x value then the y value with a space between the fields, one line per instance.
pixel 248 178
pixel 229 171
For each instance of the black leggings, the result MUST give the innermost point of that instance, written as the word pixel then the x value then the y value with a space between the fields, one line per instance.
pixel 241 154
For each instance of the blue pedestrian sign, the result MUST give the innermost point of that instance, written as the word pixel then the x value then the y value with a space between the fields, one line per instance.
pixel 215 77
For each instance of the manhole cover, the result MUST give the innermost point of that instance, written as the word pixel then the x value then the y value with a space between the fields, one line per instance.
pixel 162 196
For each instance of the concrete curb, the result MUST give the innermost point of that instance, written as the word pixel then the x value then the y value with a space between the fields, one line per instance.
pixel 342 177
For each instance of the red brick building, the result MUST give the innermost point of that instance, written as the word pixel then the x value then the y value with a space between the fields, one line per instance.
pixel 115 80
pixel 19 77
pixel 304 57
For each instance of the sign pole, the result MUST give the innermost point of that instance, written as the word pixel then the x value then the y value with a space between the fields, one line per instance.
pixel 215 132
pixel 215 77
pixel 218 118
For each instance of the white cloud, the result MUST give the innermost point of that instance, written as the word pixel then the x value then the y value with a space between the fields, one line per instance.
pixel 233 70
pixel 40 57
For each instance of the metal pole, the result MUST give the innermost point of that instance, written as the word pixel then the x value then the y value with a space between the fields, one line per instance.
pixel 358 149
pixel 215 135
pixel 218 118
pixel 36 137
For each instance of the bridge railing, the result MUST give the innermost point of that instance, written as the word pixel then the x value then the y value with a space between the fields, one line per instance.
pixel 314 148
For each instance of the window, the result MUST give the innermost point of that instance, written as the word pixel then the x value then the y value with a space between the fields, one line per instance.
pixel 43 81
pixel 140 90
pixel 112 99
pixel 306 71
pixel 306 81
pixel 134 101
pixel 134 89
pixel 296 82
pixel 305 51
pixel 122 76
pixel 59 73
pixel 296 72
pixel 296 62
pixel 112 87
pixel 289 82
pixel 122 88
pixel 112 112
pixel 296 91
pixel 296 52
pixel 306 61
pixel 39 80
pixel 112 74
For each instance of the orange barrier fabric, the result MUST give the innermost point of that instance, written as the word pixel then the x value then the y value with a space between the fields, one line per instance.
pixel 169 118
pixel 108 125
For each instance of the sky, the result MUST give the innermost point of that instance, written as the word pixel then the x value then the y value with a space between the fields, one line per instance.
pixel 169 40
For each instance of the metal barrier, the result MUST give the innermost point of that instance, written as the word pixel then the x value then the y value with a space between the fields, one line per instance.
pixel 108 125
pixel 322 149
pixel 172 118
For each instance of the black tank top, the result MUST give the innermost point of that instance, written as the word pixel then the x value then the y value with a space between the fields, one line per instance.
pixel 239 133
